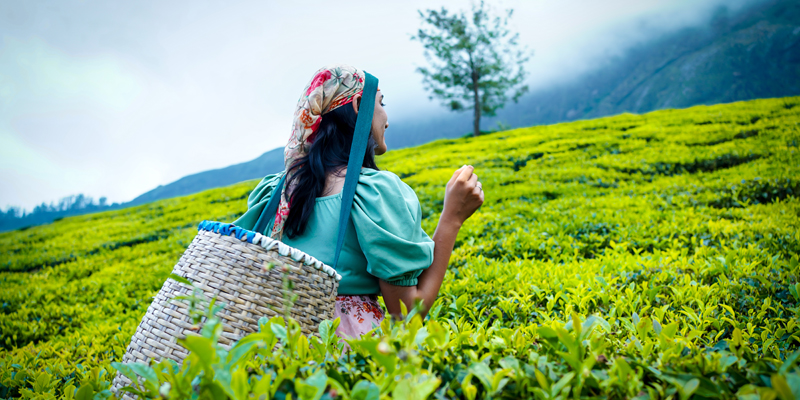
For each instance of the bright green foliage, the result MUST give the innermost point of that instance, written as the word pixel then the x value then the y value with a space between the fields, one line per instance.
pixel 652 256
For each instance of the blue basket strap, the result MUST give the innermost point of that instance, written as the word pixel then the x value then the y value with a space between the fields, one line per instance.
pixel 268 214
pixel 357 151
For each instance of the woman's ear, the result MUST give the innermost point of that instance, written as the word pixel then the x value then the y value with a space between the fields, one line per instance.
pixel 356 102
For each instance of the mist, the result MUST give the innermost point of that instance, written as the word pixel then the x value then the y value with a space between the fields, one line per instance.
pixel 113 99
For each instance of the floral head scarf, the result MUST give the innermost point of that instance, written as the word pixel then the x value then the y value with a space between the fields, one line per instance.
pixel 331 87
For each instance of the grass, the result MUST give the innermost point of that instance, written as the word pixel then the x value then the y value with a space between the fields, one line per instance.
pixel 675 232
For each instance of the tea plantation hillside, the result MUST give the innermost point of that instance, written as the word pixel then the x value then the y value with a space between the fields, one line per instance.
pixel 649 256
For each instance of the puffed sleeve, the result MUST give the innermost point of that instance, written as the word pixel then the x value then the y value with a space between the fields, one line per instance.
pixel 257 200
pixel 387 217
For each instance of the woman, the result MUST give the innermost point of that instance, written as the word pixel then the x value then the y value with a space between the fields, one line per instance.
pixel 385 249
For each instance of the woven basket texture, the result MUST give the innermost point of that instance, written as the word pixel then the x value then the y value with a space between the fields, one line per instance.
pixel 234 270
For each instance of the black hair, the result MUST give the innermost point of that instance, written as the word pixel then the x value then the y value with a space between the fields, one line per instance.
pixel 329 151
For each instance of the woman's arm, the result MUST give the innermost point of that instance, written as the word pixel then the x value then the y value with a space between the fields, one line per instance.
pixel 463 195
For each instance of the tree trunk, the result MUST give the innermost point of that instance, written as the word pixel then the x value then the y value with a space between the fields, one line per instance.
pixel 476 121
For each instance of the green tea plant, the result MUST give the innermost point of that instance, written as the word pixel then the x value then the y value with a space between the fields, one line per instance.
pixel 646 256
pixel 279 361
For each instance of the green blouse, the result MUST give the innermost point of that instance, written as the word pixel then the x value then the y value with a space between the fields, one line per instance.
pixel 383 240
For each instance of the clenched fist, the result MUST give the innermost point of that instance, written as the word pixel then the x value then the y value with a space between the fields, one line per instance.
pixel 463 195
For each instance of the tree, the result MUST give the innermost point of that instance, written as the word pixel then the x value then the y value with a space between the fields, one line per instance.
pixel 475 60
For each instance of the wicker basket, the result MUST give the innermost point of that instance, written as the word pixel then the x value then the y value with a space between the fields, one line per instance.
pixel 229 262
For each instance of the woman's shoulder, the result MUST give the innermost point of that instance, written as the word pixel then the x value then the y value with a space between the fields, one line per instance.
pixel 264 189
pixel 379 177
pixel 272 178
pixel 383 192
pixel 383 181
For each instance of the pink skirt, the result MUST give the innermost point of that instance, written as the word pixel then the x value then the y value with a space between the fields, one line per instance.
pixel 357 315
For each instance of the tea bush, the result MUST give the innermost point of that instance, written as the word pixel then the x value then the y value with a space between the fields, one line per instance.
pixel 649 256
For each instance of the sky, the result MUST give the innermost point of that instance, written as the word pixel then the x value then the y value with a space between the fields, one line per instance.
pixel 115 98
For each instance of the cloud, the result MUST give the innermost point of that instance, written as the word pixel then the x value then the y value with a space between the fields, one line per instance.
pixel 51 105
pixel 35 77
pixel 114 98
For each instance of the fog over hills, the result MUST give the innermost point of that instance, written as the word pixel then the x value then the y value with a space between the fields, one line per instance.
pixel 750 55
pixel 754 53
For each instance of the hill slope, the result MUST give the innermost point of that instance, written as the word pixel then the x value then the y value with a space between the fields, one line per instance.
pixel 676 230
pixel 267 163
pixel 754 54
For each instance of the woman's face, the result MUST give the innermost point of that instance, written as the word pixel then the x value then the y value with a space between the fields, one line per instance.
pixel 380 121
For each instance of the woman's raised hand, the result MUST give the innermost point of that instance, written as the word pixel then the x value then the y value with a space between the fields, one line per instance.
pixel 463 195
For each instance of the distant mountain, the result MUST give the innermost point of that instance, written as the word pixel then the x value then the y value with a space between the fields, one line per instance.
pixel 268 163
pixel 755 54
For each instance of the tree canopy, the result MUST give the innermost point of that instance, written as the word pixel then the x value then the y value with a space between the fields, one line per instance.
pixel 476 61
